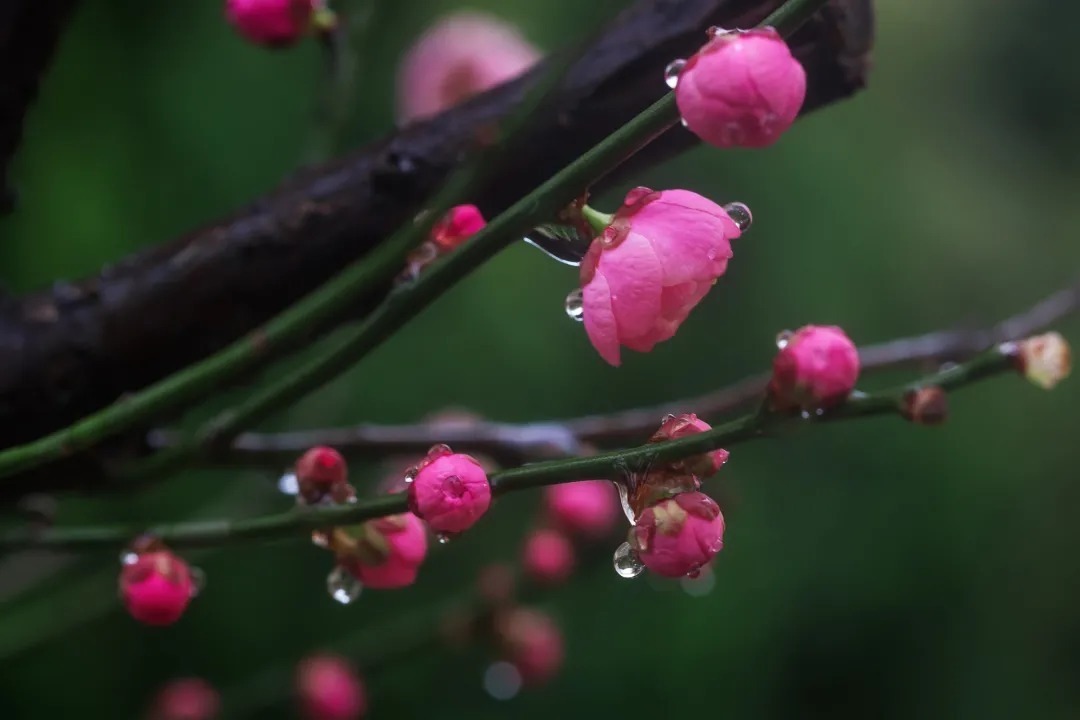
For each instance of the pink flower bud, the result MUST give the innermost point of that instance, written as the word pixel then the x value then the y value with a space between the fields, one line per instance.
pixel 815 369
pixel 321 473
pixel 186 699
pixel 680 535
pixel 273 23
pixel 532 642
pixel 1045 360
pixel 679 426
pixel 587 507
pixel 156 587
pixel 457 226
pixel 742 89
pixel 383 554
pixel 329 689
pixel 460 56
pixel 450 493
pixel 655 262
pixel 548 557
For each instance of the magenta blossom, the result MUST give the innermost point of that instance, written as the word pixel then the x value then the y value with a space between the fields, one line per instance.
pixel 586 507
pixel 450 492
pixel 742 89
pixel 548 557
pixel 328 688
pixel 815 369
pixel 273 23
pixel 680 535
pixel 461 55
pixel 156 587
pixel 383 554
pixel 650 267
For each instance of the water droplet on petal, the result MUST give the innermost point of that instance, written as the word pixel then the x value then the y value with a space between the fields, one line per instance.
pixel 502 680
pixel 287 484
pixel 701 584
pixel 128 558
pixel 575 305
pixel 411 474
pixel 682 121
pixel 740 214
pixel 198 580
pixel 443 538
pixel 627 563
pixel 782 338
pixel 342 586
pixel 671 72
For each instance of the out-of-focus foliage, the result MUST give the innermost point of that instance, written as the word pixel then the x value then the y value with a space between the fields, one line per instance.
pixel 872 569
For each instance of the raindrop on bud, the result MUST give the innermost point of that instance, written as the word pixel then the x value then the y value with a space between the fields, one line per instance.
pixel 128 558
pixel 672 71
pixel 342 586
pixel 443 538
pixel 782 338
pixel 287 484
pixel 740 213
pixel 627 563
pixel 575 306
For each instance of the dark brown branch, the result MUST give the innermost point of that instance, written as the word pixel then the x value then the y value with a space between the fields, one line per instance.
pixel 78 347
pixel 513 444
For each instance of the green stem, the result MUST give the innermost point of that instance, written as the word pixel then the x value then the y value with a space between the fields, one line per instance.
pixel 613 465
pixel 597 220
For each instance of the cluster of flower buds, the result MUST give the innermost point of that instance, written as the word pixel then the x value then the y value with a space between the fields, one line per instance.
pixel 156 585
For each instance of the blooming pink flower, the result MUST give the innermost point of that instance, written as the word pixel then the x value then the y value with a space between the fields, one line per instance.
pixel 322 472
pixel 383 554
pixel 450 493
pixel 329 689
pixel 532 642
pixel 816 369
pixel 655 262
pixel 680 535
pixel 588 507
pixel 461 55
pixel 742 89
pixel 548 557
pixel 186 699
pixel 457 226
pixel 273 23
pixel 156 587
pixel 679 426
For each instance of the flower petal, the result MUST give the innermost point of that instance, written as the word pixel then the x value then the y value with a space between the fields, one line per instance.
pixel 600 323
pixel 635 278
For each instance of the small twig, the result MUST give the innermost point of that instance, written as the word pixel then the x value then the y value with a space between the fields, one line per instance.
pixel 515 443
pixel 612 465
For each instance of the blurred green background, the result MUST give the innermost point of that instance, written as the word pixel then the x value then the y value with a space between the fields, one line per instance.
pixel 873 569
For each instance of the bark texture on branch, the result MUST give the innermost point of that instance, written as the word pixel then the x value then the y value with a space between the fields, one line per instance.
pixel 77 347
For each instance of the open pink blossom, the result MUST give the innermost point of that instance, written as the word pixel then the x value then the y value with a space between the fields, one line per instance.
pixel 461 55
pixel 457 226
pixel 649 268
pixel 273 23
pixel 383 554
pixel 680 535
pixel 586 507
pixel 186 699
pixel 450 493
pixel 548 557
pixel 328 688
pixel 815 369
pixel 679 426
pixel 156 587
pixel 532 642
pixel 742 89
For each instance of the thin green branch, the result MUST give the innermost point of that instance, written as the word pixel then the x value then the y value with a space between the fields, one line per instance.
pixel 613 465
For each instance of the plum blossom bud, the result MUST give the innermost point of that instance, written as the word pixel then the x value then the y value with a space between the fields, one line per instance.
pixel 272 23
pixel 457 226
pixel 328 688
pixel 925 406
pixel 648 269
pixel 450 493
pixel 816 369
pixel 382 554
pixel 186 699
pixel 156 587
pixel 680 535
pixel 742 89
pixel 461 55
pixel 586 507
pixel 321 474
pixel 532 642
pixel 548 557
pixel 1045 360
pixel 679 426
